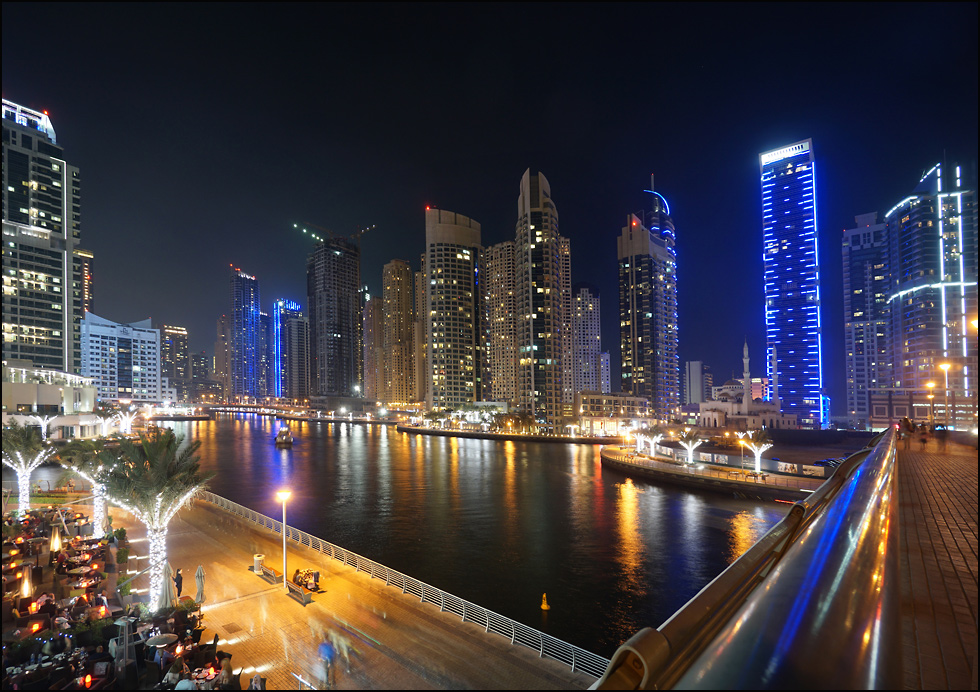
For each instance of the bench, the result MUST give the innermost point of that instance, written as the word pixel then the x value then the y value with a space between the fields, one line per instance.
pixel 299 592
pixel 271 575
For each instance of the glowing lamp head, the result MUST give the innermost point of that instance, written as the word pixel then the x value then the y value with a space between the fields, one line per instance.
pixel 944 366
pixel 283 495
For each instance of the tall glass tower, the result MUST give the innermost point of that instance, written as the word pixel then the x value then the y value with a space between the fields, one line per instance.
pixel 333 289
pixel 792 281
pixel 244 342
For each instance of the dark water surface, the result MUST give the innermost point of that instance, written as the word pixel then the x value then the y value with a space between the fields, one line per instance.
pixel 496 523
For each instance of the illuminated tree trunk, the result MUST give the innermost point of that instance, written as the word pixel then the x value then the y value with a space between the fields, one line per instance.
pixel 158 555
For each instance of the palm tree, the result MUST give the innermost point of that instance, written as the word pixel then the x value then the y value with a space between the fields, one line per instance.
pixel 23 451
pixel 93 462
pixel 758 441
pixel 690 441
pixel 155 478
pixel 106 418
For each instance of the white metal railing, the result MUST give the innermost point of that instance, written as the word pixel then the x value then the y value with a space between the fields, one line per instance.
pixel 578 659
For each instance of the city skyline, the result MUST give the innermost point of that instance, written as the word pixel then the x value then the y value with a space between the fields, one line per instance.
pixel 374 144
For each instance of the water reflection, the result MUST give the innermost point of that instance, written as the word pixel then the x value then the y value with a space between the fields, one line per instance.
pixel 497 523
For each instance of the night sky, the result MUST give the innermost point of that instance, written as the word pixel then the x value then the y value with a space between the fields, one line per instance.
pixel 203 132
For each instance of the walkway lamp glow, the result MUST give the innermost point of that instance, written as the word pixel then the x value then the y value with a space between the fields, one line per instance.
pixel 945 368
pixel 282 496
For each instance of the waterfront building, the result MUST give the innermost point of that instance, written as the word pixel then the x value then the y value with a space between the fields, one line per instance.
pixel 290 356
pixel 605 379
pixel 746 404
pixel 373 348
pixel 42 299
pixel 123 360
pixel 932 289
pixel 84 259
pixel 648 308
pixel 452 303
pixel 204 387
pixel 866 288
pixel 398 365
pixel 501 323
pixel 421 331
pixel 175 362
pixel 543 306
pixel 29 391
pixel 244 348
pixel 267 371
pixel 333 281
pixel 792 279
pixel 697 382
pixel 222 356
pixel 586 351
pixel 602 413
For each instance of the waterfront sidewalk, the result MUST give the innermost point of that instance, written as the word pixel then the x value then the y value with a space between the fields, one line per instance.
pixel 937 495
pixel 397 643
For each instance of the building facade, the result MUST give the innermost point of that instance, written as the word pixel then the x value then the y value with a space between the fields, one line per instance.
pixel 42 277
pixel 586 350
pixel 222 356
pixel 398 300
pixel 333 287
pixel 648 309
pixel 500 303
pixel 290 355
pixel 123 361
pixel 792 280
pixel 373 348
pixel 866 289
pixel 244 345
pixel 542 262
pixel 175 360
pixel 453 305
pixel 85 261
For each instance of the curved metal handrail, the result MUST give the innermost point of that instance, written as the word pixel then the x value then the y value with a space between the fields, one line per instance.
pixel 578 659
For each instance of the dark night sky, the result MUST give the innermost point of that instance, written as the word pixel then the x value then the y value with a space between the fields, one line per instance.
pixel 204 131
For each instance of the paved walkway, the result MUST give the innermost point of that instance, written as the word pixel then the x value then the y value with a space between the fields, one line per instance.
pixel 938 529
pixel 396 642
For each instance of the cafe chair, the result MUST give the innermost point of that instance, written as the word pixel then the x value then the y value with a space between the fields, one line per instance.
pixel 151 675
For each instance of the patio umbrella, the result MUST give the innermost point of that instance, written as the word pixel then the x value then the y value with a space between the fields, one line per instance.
pixel 169 593
pixel 199 578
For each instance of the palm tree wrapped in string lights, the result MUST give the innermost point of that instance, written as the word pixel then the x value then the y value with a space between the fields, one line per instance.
pixel 690 441
pixel 758 441
pixel 93 462
pixel 154 479
pixel 23 451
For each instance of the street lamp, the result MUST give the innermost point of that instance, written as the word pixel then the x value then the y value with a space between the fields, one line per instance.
pixel 945 368
pixel 282 496
pixel 932 404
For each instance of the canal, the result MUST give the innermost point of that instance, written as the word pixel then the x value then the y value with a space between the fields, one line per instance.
pixel 497 523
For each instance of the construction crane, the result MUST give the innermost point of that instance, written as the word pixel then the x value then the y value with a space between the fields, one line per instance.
pixel 356 236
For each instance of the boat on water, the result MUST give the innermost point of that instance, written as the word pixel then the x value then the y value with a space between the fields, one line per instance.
pixel 283 437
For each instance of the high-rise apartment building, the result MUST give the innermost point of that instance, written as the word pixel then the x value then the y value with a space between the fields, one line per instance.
pixel 421 332
pixel 204 387
pixel 932 287
pixel 333 286
pixel 500 305
pixel 175 362
pixel 42 282
pixel 222 356
pixel 374 328
pixel 453 305
pixel 84 261
pixel 866 289
pixel 245 338
pixel 648 333
pixel 398 281
pixel 586 351
pixel 123 360
pixel 695 388
pixel 542 261
pixel 290 356
pixel 792 280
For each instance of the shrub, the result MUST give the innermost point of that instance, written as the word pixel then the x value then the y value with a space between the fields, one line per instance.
pixel 122 555
pixel 121 533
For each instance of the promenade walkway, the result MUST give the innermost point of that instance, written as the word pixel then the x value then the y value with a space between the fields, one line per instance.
pixel 397 642
pixel 938 528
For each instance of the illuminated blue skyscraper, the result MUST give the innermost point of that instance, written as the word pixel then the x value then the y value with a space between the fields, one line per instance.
pixel 243 344
pixel 289 353
pixel 792 281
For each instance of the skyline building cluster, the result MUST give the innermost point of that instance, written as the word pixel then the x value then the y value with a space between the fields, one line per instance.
pixel 478 325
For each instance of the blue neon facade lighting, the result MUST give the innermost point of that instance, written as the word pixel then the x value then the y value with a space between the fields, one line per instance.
pixel 244 343
pixel 792 280
pixel 282 311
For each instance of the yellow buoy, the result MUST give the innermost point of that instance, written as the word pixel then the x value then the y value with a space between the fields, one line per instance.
pixel 544 602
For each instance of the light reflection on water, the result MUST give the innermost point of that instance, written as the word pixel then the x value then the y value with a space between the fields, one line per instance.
pixel 497 523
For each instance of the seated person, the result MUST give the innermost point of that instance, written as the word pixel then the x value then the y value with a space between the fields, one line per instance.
pixel 185 683
pixel 177 670
pixel 165 658
pixel 296 577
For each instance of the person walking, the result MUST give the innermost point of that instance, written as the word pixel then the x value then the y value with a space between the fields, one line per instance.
pixel 327 654
pixel 923 437
pixel 178 582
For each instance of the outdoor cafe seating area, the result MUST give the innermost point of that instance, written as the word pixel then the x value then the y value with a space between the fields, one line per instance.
pixel 65 628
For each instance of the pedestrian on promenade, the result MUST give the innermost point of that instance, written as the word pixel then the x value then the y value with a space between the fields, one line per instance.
pixel 942 436
pixel 178 581
pixel 923 438
pixel 327 654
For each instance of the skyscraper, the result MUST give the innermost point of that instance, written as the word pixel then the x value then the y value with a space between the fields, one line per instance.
pixel 867 359
pixel 542 262
pixel 586 351
pixel 932 292
pixel 694 384
pixel 500 383
pixel 85 261
pixel 452 303
pixel 374 328
pixel 222 356
pixel 333 286
pixel 123 360
pixel 648 308
pixel 42 292
pixel 398 281
pixel 175 362
pixel 245 339
pixel 421 332
pixel 290 356
pixel 792 280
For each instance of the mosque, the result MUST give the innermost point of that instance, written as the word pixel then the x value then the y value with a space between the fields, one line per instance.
pixel 740 411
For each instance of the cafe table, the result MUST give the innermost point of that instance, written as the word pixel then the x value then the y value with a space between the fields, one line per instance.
pixel 161 640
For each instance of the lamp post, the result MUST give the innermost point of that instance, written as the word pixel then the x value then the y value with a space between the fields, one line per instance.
pixel 945 368
pixel 282 496
pixel 932 404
